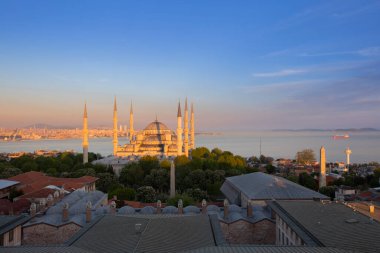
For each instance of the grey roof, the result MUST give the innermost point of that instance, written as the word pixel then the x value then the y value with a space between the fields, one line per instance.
pixel 236 213
pixel 77 201
pixel 39 249
pixel 267 249
pixel 261 186
pixel 9 222
pixel 4 183
pixel 331 224
pixel 114 233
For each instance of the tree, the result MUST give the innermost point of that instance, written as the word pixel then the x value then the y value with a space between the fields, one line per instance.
pixel 186 200
pixel 328 191
pixel 270 169
pixel 149 163
pixel 200 152
pixel 123 193
pixel 308 181
pixel 305 157
pixel 146 194
pixel 132 175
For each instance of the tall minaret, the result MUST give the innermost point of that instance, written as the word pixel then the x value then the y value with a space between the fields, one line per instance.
pixel 179 131
pixel 114 127
pixel 131 130
pixel 186 130
pixel 322 164
pixel 85 135
pixel 172 180
pixel 348 152
pixel 192 139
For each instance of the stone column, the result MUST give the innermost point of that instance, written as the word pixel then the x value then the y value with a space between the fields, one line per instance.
pixel 322 164
pixel 172 180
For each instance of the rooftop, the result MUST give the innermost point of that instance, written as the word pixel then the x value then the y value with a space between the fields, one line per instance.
pixel 330 224
pixel 8 222
pixel 7 183
pixel 262 186
pixel 157 233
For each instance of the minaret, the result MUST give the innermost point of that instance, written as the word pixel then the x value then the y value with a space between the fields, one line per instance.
pixel 85 135
pixel 114 128
pixel 322 164
pixel 348 153
pixel 179 130
pixel 172 180
pixel 192 139
pixel 186 130
pixel 131 130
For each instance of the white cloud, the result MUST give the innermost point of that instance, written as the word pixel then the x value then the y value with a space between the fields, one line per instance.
pixel 284 72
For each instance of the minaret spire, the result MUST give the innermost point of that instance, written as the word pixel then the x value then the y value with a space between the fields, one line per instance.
pixel 186 130
pixel 85 135
pixel 131 130
pixel 114 128
pixel 322 164
pixel 192 134
pixel 179 130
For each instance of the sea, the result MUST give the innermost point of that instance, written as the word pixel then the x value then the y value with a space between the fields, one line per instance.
pixel 365 146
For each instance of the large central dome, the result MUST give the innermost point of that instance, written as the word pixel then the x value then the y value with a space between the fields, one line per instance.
pixel 156 125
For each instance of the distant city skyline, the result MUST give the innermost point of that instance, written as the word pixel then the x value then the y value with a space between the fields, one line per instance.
pixel 245 65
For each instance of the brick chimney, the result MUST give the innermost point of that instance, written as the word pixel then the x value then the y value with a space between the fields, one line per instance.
pixel 159 206
pixel 180 206
pixel 249 209
pixel 204 206
pixel 33 209
pixel 371 209
pixel 226 205
pixel 65 212
pixel 50 200
pixel 113 207
pixel 88 212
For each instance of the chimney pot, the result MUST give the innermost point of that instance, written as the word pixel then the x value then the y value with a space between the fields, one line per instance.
pixel 159 206
pixel 226 205
pixel 180 206
pixel 204 206
pixel 65 212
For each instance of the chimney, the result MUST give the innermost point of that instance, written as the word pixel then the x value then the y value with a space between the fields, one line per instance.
pixel 249 209
pixel 371 209
pixel 33 209
pixel 180 206
pixel 65 212
pixel 226 204
pixel 204 206
pixel 56 195
pixel 50 200
pixel 158 206
pixel 113 207
pixel 88 211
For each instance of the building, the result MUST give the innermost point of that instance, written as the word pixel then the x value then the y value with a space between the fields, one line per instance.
pixel 6 186
pixel 10 229
pixel 64 218
pixel 324 224
pixel 258 187
pixel 33 181
pixel 156 139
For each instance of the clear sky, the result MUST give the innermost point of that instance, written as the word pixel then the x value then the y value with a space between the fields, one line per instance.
pixel 245 64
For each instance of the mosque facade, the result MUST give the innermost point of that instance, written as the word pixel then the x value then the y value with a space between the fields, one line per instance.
pixel 156 139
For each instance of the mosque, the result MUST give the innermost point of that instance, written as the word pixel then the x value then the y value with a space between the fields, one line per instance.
pixel 156 139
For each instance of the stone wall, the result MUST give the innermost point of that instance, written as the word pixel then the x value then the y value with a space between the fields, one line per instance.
pixel 44 234
pixel 244 232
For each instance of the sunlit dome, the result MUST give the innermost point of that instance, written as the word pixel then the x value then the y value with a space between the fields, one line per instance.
pixel 156 125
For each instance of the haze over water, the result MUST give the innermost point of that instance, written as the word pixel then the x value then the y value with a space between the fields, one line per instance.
pixel 278 144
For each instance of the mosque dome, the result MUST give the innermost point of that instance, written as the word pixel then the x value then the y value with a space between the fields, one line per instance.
pixel 157 126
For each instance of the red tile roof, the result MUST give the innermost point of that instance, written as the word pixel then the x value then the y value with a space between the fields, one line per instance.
pixel 42 193
pixel 33 181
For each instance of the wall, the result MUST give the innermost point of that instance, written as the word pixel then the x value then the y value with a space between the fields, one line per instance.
pixel 43 234
pixel 285 235
pixel 16 237
pixel 244 232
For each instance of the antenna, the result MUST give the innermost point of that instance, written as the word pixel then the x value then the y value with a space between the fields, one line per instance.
pixel 260 145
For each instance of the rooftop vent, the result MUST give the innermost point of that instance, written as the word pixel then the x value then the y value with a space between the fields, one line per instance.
pixel 138 228
pixel 352 221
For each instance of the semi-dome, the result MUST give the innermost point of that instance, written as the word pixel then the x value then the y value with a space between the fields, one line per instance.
pixel 156 125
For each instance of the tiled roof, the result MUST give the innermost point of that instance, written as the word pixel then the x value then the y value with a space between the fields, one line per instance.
pixel 267 249
pixel 261 186
pixel 42 193
pixel 46 249
pixel 332 224
pixel 34 181
pixel 158 234
pixel 8 222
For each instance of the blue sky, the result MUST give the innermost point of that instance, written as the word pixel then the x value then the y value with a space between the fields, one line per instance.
pixel 245 64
